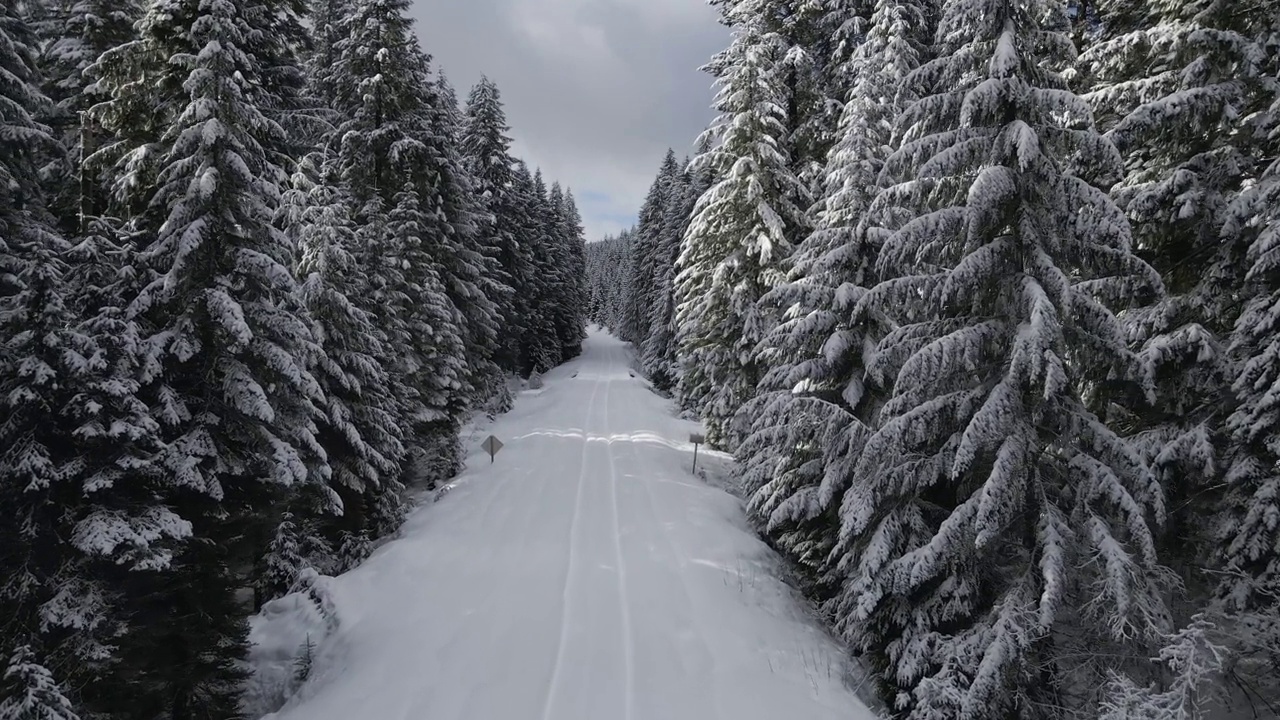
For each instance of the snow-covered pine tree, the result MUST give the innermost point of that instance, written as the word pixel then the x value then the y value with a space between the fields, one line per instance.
pixel 37 351
pixel 821 36
pixel 469 276
pixel 432 355
pixel 228 337
pixel 744 226
pixel 280 44
pixel 360 430
pixel 389 303
pixel 526 209
pixel 28 690
pixel 541 346
pixel 1249 533
pixel 814 405
pixel 487 150
pixel 283 559
pixel 89 29
pixel 997 527
pixel 397 145
pixel 1179 88
pixel 326 21
pixel 645 254
pixel 377 76
pixel 572 325
pixel 116 505
pixel 84 507
pixel 659 351
pixel 402 126
pixel 558 301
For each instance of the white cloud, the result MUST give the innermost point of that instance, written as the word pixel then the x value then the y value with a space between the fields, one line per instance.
pixel 595 90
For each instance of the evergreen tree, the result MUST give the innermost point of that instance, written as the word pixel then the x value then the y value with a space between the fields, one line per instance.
pixel 281 44
pixel 994 519
pixel 1179 90
pixel 36 351
pixel 88 29
pixel 228 340
pixel 284 562
pixel 83 504
pixel 378 78
pixel 815 404
pixel 471 278
pixel 327 22
pixel 743 227
pixel 433 356
pixel 28 691
pixel 571 301
pixel 821 37
pixel 400 135
pixel 645 250
pixel 360 429
pixel 487 150
pixel 659 351
pixel 541 344
pixel 1249 534
pixel 557 249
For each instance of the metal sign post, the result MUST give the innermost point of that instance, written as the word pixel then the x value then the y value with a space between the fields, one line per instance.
pixel 492 445
pixel 697 439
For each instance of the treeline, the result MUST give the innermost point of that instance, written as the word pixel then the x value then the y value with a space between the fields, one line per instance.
pixel 985 298
pixel 256 268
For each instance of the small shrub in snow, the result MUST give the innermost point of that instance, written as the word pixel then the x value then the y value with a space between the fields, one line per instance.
pixel 305 661
pixel 30 692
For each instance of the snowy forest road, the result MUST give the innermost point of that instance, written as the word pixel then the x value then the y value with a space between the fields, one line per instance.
pixel 585 575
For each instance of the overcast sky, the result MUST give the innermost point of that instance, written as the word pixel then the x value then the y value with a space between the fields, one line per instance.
pixel 595 90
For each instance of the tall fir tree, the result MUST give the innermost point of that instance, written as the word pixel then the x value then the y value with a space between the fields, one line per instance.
pixel 89 29
pixel 572 301
pixel 360 428
pixel 398 148
pixel 743 228
pixel 659 357
pixel 992 518
pixel 1179 89
pixel 1248 529
pixel 487 150
pixel 470 277
pixel 228 338
pixel 432 353
pixel 327 20
pixel 815 404
pixel 646 262
pixel 87 507
pixel 541 345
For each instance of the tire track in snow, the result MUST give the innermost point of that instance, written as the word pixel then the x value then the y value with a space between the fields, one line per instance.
pixel 696 607
pixel 521 501
pixel 556 669
pixel 628 642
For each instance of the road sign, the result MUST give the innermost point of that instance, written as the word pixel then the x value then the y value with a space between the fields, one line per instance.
pixel 697 439
pixel 492 445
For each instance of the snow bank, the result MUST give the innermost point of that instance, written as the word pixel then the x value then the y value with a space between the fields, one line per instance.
pixel 285 637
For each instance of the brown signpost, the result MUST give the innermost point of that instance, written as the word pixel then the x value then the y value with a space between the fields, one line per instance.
pixel 697 439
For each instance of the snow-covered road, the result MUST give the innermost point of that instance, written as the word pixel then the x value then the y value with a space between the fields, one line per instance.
pixel 586 575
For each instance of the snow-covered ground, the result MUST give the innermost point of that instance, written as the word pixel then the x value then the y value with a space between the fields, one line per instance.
pixel 585 575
